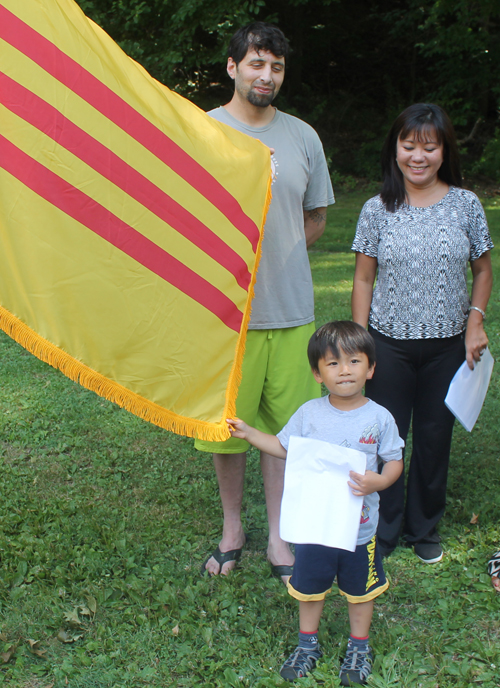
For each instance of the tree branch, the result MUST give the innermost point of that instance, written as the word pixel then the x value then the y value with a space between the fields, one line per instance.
pixel 472 134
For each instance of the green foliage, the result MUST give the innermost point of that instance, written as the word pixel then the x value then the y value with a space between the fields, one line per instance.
pixel 452 52
pixel 177 41
pixel 462 43
pixel 105 521
pixel 354 65
pixel 489 163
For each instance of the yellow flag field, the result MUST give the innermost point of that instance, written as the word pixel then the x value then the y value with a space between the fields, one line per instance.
pixel 130 223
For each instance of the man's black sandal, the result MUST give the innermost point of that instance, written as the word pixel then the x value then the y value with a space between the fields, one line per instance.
pixel 278 570
pixel 223 557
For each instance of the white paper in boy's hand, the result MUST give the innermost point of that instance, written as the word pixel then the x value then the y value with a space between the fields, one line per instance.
pixel 318 506
pixel 468 389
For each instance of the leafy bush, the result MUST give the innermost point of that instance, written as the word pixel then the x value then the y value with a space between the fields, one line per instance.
pixel 489 162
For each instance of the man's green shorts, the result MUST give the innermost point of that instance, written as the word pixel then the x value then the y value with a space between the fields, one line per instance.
pixel 276 380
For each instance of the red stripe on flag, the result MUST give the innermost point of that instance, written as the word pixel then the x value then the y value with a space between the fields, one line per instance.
pixel 102 222
pixel 66 70
pixel 46 118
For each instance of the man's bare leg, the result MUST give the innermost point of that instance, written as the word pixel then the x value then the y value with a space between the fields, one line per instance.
pixel 230 470
pixel 273 472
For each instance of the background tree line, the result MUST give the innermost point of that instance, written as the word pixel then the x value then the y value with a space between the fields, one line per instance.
pixel 355 64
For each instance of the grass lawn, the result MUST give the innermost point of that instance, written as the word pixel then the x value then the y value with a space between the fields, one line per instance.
pixel 105 521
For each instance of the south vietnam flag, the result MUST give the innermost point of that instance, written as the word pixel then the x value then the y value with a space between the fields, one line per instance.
pixel 130 223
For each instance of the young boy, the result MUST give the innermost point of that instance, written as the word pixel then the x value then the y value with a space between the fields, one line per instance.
pixel 342 356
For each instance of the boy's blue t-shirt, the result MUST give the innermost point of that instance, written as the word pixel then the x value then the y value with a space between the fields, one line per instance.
pixel 369 428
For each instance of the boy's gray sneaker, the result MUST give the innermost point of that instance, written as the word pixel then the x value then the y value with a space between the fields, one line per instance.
pixel 357 666
pixel 300 662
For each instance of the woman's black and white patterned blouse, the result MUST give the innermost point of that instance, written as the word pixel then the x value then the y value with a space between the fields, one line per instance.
pixel 422 254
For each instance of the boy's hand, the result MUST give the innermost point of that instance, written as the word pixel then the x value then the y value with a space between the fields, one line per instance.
pixel 366 484
pixel 238 428
pixel 262 440
pixel 370 482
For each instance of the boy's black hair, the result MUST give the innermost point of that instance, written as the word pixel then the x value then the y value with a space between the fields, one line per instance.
pixel 422 120
pixel 258 36
pixel 337 336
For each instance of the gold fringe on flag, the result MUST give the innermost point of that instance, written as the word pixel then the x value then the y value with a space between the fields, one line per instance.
pixel 106 388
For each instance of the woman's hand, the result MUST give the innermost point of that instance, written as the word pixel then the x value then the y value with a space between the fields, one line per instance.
pixel 475 338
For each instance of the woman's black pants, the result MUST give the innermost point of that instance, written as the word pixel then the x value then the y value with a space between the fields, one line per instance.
pixel 412 377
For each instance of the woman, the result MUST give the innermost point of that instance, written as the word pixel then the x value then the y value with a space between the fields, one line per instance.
pixel 417 237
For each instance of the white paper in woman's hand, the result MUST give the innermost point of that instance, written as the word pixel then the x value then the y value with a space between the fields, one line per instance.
pixel 468 389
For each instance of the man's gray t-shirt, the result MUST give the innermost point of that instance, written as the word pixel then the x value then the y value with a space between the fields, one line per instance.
pixel 283 290
pixel 369 428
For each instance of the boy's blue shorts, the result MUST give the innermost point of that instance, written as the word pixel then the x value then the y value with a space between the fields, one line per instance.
pixel 360 574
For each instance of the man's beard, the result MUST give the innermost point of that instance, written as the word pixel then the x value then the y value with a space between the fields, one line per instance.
pixel 260 99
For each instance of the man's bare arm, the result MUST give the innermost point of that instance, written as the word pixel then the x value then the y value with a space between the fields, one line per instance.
pixel 314 224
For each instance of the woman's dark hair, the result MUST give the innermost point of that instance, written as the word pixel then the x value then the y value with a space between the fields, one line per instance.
pixel 421 119
pixel 337 336
pixel 258 36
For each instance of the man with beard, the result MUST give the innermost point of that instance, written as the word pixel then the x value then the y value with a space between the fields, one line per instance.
pixel 276 378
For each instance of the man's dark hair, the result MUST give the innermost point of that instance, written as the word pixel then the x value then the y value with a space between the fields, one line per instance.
pixel 423 120
pixel 258 36
pixel 340 336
